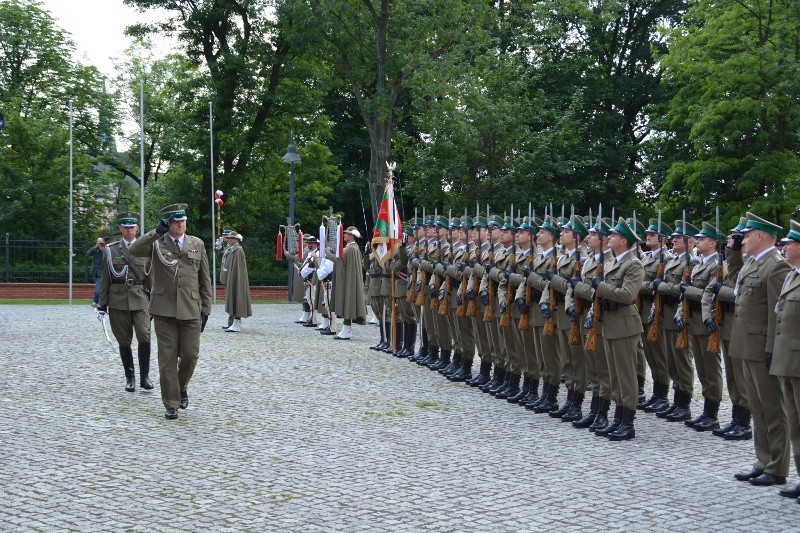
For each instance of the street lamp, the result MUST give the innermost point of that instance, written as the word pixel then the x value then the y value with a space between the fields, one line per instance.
pixel 291 157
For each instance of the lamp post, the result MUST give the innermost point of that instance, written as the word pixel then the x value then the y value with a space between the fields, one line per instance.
pixel 291 157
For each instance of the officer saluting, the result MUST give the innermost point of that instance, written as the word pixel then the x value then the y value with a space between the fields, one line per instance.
pixel 180 301
pixel 124 295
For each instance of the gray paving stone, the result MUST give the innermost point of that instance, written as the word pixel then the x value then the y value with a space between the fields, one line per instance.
pixel 291 431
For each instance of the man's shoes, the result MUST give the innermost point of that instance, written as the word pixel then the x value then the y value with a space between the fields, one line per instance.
pixel 171 414
pixel 767 480
pixel 184 400
pixel 754 473
pixel 791 493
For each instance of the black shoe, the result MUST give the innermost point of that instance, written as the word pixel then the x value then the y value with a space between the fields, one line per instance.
pixel 184 399
pixel 682 412
pixel 720 431
pixel 523 391
pixel 740 432
pixel 611 428
pixel 642 399
pixel 791 493
pixel 767 480
pixel 601 420
pixel 531 406
pixel 309 324
pixel 464 373
pixel 144 365
pixel 171 414
pixel 574 413
pixel 587 420
pixel 327 331
pixel 511 390
pixel 625 431
pixel 754 473
pixel 558 413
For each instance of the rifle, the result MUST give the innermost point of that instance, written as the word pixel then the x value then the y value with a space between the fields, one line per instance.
pixel 638 301
pixel 658 301
pixel 575 327
pixel 436 283
pixel 550 323
pixel 683 337
pixel 411 295
pixel 423 281
pixel 597 305
pixel 443 304
pixel 462 308
pixel 488 314
pixel 713 339
pixel 525 320
pixel 505 317
pixel 472 305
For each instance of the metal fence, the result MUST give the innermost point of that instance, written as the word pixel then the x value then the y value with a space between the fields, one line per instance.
pixel 31 260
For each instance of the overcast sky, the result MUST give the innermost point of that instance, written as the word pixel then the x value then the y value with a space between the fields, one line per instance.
pixel 97 28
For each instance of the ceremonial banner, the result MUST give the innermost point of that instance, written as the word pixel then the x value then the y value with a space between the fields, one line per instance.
pixel 388 229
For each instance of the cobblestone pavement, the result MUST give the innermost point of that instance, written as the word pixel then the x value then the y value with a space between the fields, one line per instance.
pixel 288 430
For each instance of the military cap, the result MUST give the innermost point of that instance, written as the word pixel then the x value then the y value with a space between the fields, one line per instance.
pixel 176 211
pixel 441 221
pixel 414 222
pixel 495 221
pixel 128 219
pixel 663 230
pixel 624 229
pixel 429 221
pixel 710 231
pixel 794 232
pixel 528 225
pixel 550 225
pixel 640 229
pixel 739 227
pixel 509 223
pixel 455 222
pixel 756 222
pixel 408 229
pixel 479 221
pixel 576 224
pixel 681 230
pixel 466 222
pixel 602 226
pixel 225 231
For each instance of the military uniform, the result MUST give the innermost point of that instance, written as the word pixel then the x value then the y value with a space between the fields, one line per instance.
pixel 757 291
pixel 180 302
pixel 496 258
pixel 406 314
pixel 463 334
pixel 124 292
pixel 479 258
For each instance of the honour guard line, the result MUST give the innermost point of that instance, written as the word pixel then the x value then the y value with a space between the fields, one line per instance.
pixel 590 302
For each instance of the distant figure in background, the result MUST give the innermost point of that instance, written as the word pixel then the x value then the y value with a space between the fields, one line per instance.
pixel 96 253
pixel 348 285
pixel 237 283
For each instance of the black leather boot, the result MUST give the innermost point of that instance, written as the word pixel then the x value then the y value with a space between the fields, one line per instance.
pixel 533 393
pixel 625 431
pixel 454 364
pixel 484 376
pixel 559 412
pixel 464 373
pixel 660 401
pixel 742 431
pixel 126 354
pixel 433 355
pixel 382 343
pixel 642 396
pixel 601 420
pixel 498 378
pixel 730 425
pixel 422 353
pixel 503 384
pixel 409 338
pixel 512 389
pixel 575 410
pixel 143 351
pixel 550 401
pixel 442 361
pixel 701 417
pixel 523 391
pixel 710 421
pixel 531 406
pixel 611 428
pixel 388 327
pixel 683 411
pixel 587 420
pixel 662 413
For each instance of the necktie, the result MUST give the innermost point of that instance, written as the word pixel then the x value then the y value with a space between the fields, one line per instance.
pixel 178 244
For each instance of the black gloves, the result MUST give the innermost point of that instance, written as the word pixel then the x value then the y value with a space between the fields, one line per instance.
pixel 203 320
pixel 102 309
pixel 737 241
pixel 551 274
pixel 656 283
pixel 506 274
pixel 522 306
pixel 470 294
pixel 432 291
pixel 574 282
pixel 462 267
pixel 710 326
pixel 572 314
pixel 527 271
pixel 544 308
pixel 596 281
pixel 683 286
pixel 679 325
pixel 502 306
pixel 716 287
pixel 589 322
pixel 768 360
pixel 163 226
pixel 484 297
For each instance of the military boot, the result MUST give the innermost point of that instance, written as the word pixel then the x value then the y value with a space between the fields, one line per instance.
pixel 409 340
pixel 660 401
pixel 587 420
pixel 642 396
pixel 143 351
pixel 720 431
pixel 669 408
pixel 126 354
pixel 742 431
pixel 387 326
pixel 575 410
pixel 442 361
pixel 512 389
pixel 523 391
pixel 422 353
pixel 550 401
pixel 483 376
pixel 454 364
pixel 683 411
pixel 710 410
pixel 601 420
pixel 696 420
pixel 382 343
pixel 465 372
pixel 558 412
pixel 498 378
pixel 503 384
pixel 625 431
pixel 531 406
pixel 611 428
pixel 433 355
pixel 533 393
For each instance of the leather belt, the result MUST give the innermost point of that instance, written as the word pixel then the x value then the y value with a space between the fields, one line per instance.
pixel 127 281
